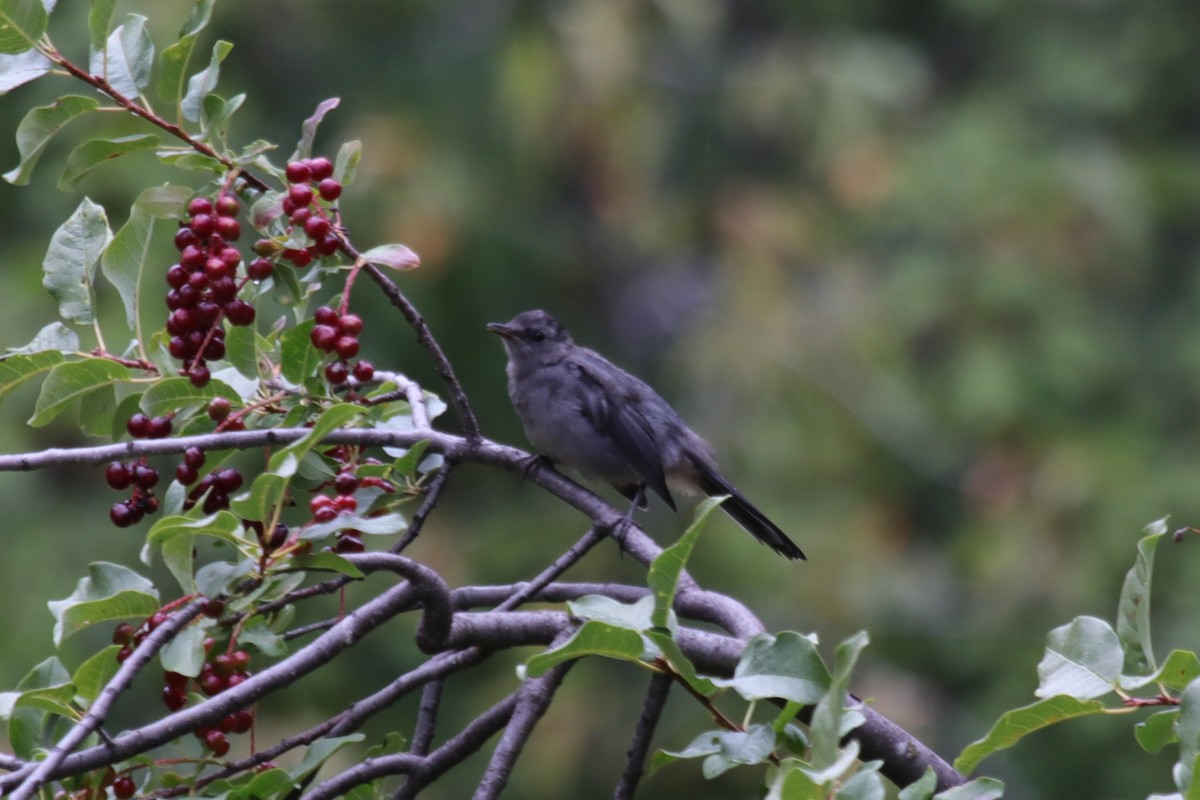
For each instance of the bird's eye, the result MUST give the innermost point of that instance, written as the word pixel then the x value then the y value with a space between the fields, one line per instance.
pixel 538 337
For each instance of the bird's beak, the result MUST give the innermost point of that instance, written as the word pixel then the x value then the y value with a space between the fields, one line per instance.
pixel 500 329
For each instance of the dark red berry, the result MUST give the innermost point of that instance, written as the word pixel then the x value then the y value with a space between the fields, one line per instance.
pixel 137 425
pixel 321 168
pixel 230 480
pixel 299 258
pixel 298 172
pixel 350 324
pixel 229 228
pixel 241 660
pixel 227 205
pixel 177 276
pixel 345 502
pixel 287 207
pixel 174 699
pixel 239 313
pixel 218 409
pixel 186 474
pixel 124 787
pixel 216 501
pixel 349 543
pixel 325 514
pixel 347 346
pixel 211 683
pixel 241 721
pixel 214 349
pixel 324 337
pixel 203 225
pixel 216 268
pixel 259 269
pixel 156 619
pixel 301 216
pixel 183 237
pixel 198 280
pixel 193 457
pixel 363 371
pixel 235 679
pixel 345 483
pixel 147 503
pixel 328 245
pixel 330 189
pixel 223 290
pixel 325 315
pixel 121 515
pixel 200 205
pixel 223 665
pixel 175 680
pixel 336 373
pixel 159 428
pixel 122 634
pixel 316 227
pixel 199 375
pixel 300 194
pixel 118 476
pixel 192 257
pixel 216 742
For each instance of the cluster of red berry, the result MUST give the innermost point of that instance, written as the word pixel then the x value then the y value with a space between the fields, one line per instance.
pixel 138 474
pixel 204 285
pixel 308 179
pixel 325 508
pixel 337 333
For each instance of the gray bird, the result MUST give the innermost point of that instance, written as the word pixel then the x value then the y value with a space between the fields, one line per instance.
pixel 584 412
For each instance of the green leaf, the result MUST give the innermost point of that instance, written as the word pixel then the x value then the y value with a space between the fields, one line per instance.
pixel 164 202
pixel 828 723
pixel 215 112
pixel 20 69
pixel 308 130
pixel 47 687
pixel 1157 731
pixel 130 256
pixel 22 23
pixel 54 337
pixel 16 369
pixel 636 616
pixel 668 566
pixel 327 562
pixel 320 751
pixel 203 82
pixel 298 358
pixel 38 128
pixel 978 789
pixel 286 460
pixel 723 750
pixel 1179 669
pixel 383 525
pixel 185 652
pixel 96 411
pixel 100 19
pixel 1020 722
pixel 94 674
pixel 262 638
pixel 866 784
pixel 175 57
pixel 393 256
pixel 175 537
pixel 178 393
pixel 241 349
pixel 1083 659
pixel 786 666
pixel 69 268
pixel 91 154
pixel 592 639
pixel 1133 609
pixel 660 639
pixel 266 492
pixel 72 380
pixel 345 166
pixel 922 789
pixel 110 592
pixel 127 59
pixel 1187 728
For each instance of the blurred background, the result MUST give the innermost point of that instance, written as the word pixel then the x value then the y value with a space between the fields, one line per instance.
pixel 924 273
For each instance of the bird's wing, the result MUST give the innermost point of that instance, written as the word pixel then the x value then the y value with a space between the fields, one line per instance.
pixel 629 429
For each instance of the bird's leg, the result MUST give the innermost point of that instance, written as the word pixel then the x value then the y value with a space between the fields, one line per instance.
pixel 622 527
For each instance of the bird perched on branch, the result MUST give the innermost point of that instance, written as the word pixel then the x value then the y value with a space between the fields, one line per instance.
pixel 582 411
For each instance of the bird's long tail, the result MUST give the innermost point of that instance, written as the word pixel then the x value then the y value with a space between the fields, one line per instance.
pixel 744 512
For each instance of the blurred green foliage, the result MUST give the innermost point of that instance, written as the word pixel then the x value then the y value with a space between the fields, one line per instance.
pixel 923 272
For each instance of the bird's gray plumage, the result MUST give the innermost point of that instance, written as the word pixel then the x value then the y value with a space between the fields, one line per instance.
pixel 580 410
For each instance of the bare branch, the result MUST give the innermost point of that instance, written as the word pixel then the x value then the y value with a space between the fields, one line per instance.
pixel 635 757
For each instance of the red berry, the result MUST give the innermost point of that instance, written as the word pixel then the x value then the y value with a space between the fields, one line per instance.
pixel 175 680
pixel 223 290
pixel 230 480
pixel 229 228
pixel 239 313
pixel 211 683
pixel 124 787
pixel 336 373
pixel 155 620
pixel 241 660
pixel 203 225
pixel 298 172
pixel 324 337
pixel 223 665
pixel 259 269
pixel 185 474
pixel 177 276
pixel 299 258
pixel 159 428
pixel 192 257
pixel 207 312
pixel 218 409
pixel 326 316
pixel 330 189
pixel 300 194
pixel 318 502
pixel 118 476
pixel 227 206
pixel 321 168
pixel 325 514
pixel 216 742
pixel 235 679
pixel 178 348
pixel 287 207
pixel 363 371
pixel 347 346
pixel 345 483
pixel 199 375
pixel 174 699
pixel 349 543
pixel 316 227
pixel 193 457
pixel 137 425
pixel 123 654
pixel 122 634
pixel 200 205
pixel 183 237
pixel 300 216
pixel 350 324
pixel 345 502
pixel 216 268
pixel 328 245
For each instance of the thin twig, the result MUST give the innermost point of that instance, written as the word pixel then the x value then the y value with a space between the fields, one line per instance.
pixel 635 757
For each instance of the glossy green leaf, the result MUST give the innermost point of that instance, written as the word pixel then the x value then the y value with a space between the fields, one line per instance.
pixel 345 166
pixel 308 130
pixel 100 20
pixel 131 256
pixel 39 126
pixel 215 112
pixel 241 349
pixel 1187 728
pixel 21 68
pixel 47 687
pixel 175 57
pixel 1020 722
pixel 203 82
pixel 286 460
pixel 786 666
pixel 636 616
pixel 668 566
pixel 16 369
pixel 1133 609
pixel 54 337
pixel 383 525
pixel 185 652
pixel 22 23
pixel 723 750
pixel 922 789
pixel 319 752
pixel 592 639
pixel 256 633
pixel 327 562
pixel 828 723
pixel 69 268
pixel 266 492
pixel 393 256
pixel 127 59
pixel 70 381
pixel 94 674
pixel 866 784
pixel 978 789
pixel 91 154
pixel 165 202
pixel 298 358
pixel 178 394
pixel 109 592
pixel 1083 659
pixel 96 411
pixel 1157 731
pixel 662 644
pixel 175 538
